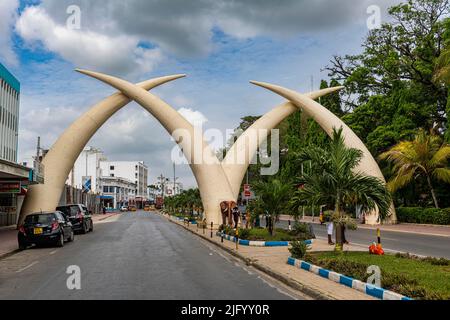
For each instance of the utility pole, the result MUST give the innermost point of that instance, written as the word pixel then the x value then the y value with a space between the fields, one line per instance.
pixel 174 179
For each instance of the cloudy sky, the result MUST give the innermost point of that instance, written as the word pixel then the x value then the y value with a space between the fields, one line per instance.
pixel 219 44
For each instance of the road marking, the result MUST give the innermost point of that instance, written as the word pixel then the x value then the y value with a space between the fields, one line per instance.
pixel 28 266
pixel 53 252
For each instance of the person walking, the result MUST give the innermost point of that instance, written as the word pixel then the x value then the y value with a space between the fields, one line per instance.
pixel 330 227
pixel 236 214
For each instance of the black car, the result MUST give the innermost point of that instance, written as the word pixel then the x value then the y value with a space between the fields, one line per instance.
pixel 79 216
pixel 45 228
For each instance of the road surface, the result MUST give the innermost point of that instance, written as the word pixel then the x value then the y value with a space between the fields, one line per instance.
pixel 138 256
pixel 425 245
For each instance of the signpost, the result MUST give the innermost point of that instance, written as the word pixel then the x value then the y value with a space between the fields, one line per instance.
pixel 87 184
pixel 10 187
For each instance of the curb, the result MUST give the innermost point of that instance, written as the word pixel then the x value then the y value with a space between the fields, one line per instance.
pixel 311 292
pixel 363 287
pixel 259 243
pixel 9 254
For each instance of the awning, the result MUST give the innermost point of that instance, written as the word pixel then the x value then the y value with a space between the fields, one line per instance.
pixel 106 197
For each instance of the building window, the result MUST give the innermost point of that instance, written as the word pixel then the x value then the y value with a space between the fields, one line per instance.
pixel 112 175
pixel 111 167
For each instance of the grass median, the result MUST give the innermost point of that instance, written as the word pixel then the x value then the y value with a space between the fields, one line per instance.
pixel 418 278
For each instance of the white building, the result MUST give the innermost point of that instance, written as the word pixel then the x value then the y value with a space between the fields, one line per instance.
pixel 135 171
pixel 86 167
pixel 117 192
pixel 9 115
pixel 169 188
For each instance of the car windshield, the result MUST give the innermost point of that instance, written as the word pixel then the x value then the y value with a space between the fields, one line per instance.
pixel 40 218
pixel 69 211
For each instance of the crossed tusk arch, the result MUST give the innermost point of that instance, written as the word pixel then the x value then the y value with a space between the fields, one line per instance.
pixel 217 181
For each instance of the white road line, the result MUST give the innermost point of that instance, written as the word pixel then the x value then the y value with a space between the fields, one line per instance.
pixel 53 252
pixel 28 266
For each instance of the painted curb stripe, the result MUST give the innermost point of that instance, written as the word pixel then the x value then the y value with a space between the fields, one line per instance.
pixel 368 289
pixel 346 281
pixel 305 266
pixel 260 243
pixel 323 273
pixel 291 261
pixel 374 291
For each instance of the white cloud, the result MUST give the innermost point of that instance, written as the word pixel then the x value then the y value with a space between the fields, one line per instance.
pixel 86 49
pixel 196 118
pixel 8 15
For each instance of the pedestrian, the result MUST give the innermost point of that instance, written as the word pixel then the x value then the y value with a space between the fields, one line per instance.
pixel 330 227
pixel 236 214
pixel 104 210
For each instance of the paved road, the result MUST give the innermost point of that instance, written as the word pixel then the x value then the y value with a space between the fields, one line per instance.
pixel 398 241
pixel 139 256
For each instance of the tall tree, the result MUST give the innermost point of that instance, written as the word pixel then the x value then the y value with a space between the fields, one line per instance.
pixel 389 86
pixel 425 156
pixel 333 182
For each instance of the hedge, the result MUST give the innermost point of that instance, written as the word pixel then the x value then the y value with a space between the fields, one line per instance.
pixel 424 215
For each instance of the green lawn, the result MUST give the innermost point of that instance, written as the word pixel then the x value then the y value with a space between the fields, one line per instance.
pixel 417 278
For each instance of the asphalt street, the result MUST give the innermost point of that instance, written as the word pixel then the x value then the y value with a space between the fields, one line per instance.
pixel 137 256
pixel 424 245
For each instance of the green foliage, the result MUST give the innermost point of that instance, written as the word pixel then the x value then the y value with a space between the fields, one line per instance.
pixel 298 249
pixel 184 204
pixel 333 182
pixel 423 279
pixel 303 231
pixel 426 156
pixel 424 215
pixel 272 199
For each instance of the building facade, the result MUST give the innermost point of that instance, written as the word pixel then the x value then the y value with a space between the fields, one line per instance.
pixel 117 192
pixel 9 115
pixel 14 178
pixel 87 168
pixel 135 171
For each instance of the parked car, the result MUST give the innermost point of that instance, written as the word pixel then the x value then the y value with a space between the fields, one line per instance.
pixel 124 209
pixel 45 228
pixel 132 208
pixel 80 217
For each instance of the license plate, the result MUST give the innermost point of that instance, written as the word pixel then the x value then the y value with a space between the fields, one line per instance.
pixel 38 230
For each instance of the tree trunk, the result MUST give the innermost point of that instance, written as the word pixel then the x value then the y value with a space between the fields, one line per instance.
pixel 339 237
pixel 433 194
pixel 271 226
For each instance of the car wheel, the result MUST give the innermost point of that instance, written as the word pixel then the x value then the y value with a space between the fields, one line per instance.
pixel 60 242
pixel 22 245
pixel 92 226
pixel 85 228
pixel 72 237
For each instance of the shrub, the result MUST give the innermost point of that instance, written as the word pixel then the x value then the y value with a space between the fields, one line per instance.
pixel 298 249
pixel 244 233
pixel 423 215
pixel 302 231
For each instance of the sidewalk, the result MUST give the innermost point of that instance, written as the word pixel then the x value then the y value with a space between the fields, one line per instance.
pixel 273 261
pixel 424 229
pixel 8 235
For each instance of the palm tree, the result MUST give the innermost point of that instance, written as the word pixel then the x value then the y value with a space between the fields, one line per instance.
pixel 273 196
pixel 332 181
pixel 425 156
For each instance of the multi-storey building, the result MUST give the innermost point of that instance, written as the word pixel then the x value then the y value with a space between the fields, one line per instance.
pixel 135 171
pixel 9 115
pixel 117 192
pixel 87 171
